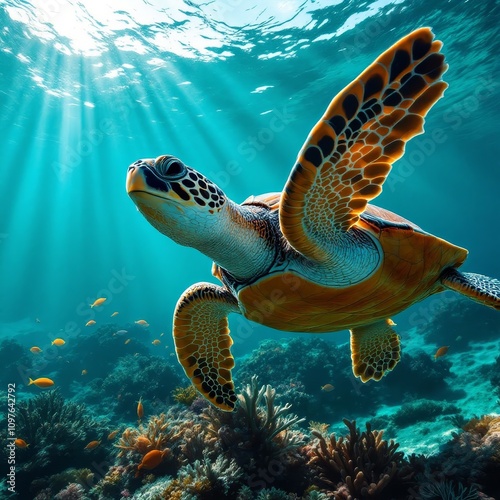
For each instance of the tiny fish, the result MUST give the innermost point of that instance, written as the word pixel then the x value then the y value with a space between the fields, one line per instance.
pixel 37 320
pixel 113 434
pixel 142 322
pixel 35 350
pixel 161 334
pixel 121 332
pixel 98 302
pixel 116 313
pixel 140 409
pixel 127 341
pixel 156 342
pixel 58 342
pixel 42 382
pixel 390 322
pixel 327 388
pixel 90 323
pixel 92 445
pixel 441 351
pixel 84 372
pixel 459 338
pixel 21 443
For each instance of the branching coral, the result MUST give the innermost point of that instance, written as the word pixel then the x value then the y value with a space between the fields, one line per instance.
pixel 362 465
pixel 259 437
pixel 156 435
pixel 258 428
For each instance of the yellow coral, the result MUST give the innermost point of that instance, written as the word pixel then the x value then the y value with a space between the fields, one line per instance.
pixel 318 427
pixel 483 426
pixel 185 395
pixel 186 484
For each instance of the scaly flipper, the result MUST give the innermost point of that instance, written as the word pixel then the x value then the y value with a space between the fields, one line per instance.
pixel 348 155
pixel 375 349
pixel 202 341
pixel 482 289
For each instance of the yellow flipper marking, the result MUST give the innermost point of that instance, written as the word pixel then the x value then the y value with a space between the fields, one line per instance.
pixel 348 154
pixel 375 350
pixel 202 341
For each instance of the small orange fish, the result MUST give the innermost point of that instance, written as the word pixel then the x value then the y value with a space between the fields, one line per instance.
pixel 327 388
pixel 84 372
pixel 98 302
pixel 42 382
pixel 113 434
pixel 127 341
pixel 441 351
pixel 90 323
pixel 21 443
pixel 58 342
pixel 35 350
pixel 156 342
pixel 142 322
pixel 116 313
pixel 151 460
pixel 140 409
pixel 92 445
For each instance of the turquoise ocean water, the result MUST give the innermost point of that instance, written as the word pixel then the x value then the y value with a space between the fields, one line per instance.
pixel 232 88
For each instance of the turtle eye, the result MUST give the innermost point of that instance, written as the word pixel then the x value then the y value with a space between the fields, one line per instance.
pixel 169 166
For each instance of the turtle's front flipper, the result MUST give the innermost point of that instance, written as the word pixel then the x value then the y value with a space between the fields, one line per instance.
pixel 349 153
pixel 477 287
pixel 375 349
pixel 202 341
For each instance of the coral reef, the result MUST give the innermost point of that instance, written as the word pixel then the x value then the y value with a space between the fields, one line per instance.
pixel 361 465
pixel 423 410
pixel 310 363
pixel 134 376
pixel 57 431
pixel 471 459
pixel 258 436
pixel 160 434
pixel 73 491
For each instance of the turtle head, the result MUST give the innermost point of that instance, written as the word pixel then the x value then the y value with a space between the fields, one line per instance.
pixel 177 200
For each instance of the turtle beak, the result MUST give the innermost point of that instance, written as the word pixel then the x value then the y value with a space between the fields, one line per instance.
pixel 135 177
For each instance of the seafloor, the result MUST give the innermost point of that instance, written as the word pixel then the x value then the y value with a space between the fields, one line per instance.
pixel 428 430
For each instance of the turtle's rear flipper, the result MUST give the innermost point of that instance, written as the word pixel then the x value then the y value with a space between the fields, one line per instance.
pixel 375 349
pixel 477 287
pixel 202 341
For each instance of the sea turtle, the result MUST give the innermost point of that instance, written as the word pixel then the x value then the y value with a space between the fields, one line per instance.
pixel 316 257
